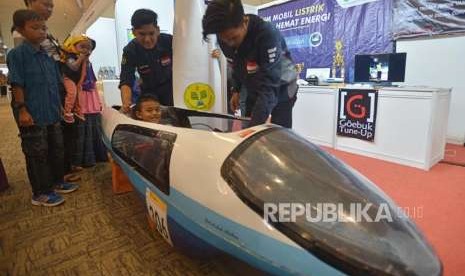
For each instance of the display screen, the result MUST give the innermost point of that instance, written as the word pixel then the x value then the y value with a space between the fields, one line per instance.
pixel 380 68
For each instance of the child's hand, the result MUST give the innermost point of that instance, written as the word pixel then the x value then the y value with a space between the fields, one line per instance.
pixel 25 119
pixel 216 53
pixel 84 56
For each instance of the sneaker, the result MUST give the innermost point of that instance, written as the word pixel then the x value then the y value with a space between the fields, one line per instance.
pixel 76 169
pixel 49 200
pixel 72 178
pixel 66 188
pixel 68 118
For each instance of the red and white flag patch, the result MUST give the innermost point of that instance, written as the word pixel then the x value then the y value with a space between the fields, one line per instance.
pixel 252 67
pixel 166 60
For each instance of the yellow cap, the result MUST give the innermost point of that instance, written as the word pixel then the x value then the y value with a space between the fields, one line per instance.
pixel 68 44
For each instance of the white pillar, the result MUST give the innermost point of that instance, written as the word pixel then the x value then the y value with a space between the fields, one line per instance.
pixel 196 75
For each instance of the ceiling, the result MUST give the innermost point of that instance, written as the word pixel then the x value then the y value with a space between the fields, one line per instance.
pixel 65 15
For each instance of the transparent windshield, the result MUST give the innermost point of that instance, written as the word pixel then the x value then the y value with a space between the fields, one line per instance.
pixel 278 168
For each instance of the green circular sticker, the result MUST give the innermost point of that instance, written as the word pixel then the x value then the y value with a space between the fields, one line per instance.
pixel 199 96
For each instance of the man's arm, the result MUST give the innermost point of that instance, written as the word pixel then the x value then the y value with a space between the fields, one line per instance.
pixel 127 78
pixel 233 77
pixel 266 81
pixel 235 89
pixel 126 97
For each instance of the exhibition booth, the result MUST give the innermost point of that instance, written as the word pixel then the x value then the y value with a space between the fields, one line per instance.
pixel 361 184
pixel 419 106
pixel 415 107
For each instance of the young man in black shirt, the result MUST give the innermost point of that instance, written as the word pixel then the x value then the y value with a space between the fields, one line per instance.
pixel 260 58
pixel 150 53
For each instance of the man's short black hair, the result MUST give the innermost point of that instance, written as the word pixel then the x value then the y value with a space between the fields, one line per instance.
pixel 143 17
pixel 144 98
pixel 20 17
pixel 222 15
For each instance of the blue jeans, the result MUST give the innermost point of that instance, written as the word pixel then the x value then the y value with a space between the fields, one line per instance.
pixel 282 113
pixel 43 148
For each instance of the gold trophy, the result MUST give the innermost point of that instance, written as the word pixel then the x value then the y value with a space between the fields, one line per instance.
pixel 338 59
pixel 298 68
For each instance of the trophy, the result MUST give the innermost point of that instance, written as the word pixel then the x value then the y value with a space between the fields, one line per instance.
pixel 338 59
pixel 298 68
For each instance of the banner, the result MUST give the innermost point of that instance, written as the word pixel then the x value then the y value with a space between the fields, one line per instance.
pixel 357 113
pixel 414 18
pixel 329 33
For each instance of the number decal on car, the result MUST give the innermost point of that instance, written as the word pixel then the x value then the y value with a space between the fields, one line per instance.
pixel 158 211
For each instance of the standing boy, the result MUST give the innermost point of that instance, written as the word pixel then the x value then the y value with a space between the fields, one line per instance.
pixel 35 79
pixel 45 9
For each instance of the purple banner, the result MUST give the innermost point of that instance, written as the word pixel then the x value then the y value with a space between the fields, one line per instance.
pixel 323 34
pixel 414 18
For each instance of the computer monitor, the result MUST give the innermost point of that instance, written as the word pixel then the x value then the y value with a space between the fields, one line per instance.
pixel 380 68
pixel 322 73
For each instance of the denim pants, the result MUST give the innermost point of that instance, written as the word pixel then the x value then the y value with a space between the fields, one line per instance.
pixel 43 148
pixel 69 144
pixel 282 113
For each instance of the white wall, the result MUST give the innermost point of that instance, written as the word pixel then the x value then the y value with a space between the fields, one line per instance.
pixel 440 62
pixel 93 12
pixel 124 10
pixel 250 9
pixel 103 31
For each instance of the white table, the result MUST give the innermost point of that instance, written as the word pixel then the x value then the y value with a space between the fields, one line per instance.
pixel 314 114
pixel 411 123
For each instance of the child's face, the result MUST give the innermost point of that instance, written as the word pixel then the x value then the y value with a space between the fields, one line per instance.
pixel 34 31
pixel 149 112
pixel 83 47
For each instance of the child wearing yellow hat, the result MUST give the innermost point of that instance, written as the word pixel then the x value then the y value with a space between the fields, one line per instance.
pixel 77 50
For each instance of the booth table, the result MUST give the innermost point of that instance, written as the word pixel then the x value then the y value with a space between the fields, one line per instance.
pixel 411 123
pixel 112 95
